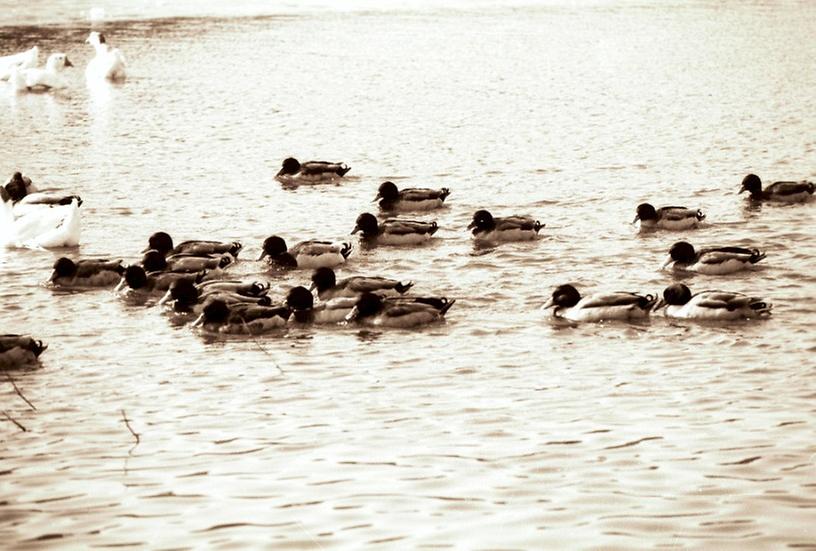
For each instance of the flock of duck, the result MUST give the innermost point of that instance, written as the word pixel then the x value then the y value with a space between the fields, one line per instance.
pixel 191 279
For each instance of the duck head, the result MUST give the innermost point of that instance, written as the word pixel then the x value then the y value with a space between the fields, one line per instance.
pixel 300 302
pixel 57 62
pixel 564 296
pixel 683 252
pixel 63 267
pixel 482 221
pixel 323 279
pixel 676 294
pixel 154 261
pixel 215 311
pixel 645 212
pixel 367 224
pixel 388 192
pixel 752 184
pixel 184 292
pixel 290 166
pixel 367 305
pixel 273 247
pixel 135 276
pixel 161 242
pixel 16 187
pixel 95 38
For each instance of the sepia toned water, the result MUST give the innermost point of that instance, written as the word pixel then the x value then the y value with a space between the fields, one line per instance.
pixel 497 429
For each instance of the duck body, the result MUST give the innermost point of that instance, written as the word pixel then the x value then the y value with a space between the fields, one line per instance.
pixel 410 199
pixel 486 227
pixel 86 273
pixel 678 302
pixel 24 60
pixel 240 319
pixel 187 295
pixel 713 260
pixel 788 192
pixel 328 286
pixel 301 303
pixel 37 79
pixel 568 304
pixel 136 280
pixel 400 313
pixel 108 63
pixel 309 254
pixel 214 265
pixel 19 350
pixel 47 226
pixel 163 243
pixel 668 218
pixel 394 231
pixel 311 172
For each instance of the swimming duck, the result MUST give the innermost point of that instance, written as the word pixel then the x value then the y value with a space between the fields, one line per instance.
pixel 306 254
pixel 509 228
pixel 154 261
pixel 86 273
pixel 393 231
pixel 713 260
pixel 567 303
pixel 410 199
pixel 328 287
pixel 36 79
pixel 790 192
pixel 137 280
pixel 310 172
pixel 162 242
pixel 44 227
pixel 668 218
pixel 26 198
pixel 301 302
pixel 21 61
pixel 186 295
pixel 19 350
pixel 678 302
pixel 109 63
pixel 372 309
pixel 219 317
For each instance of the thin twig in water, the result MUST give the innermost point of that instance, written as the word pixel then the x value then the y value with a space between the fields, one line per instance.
pixel 258 344
pixel 17 390
pixel 10 418
pixel 127 424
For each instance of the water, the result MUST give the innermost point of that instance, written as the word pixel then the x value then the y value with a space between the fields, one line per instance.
pixel 497 429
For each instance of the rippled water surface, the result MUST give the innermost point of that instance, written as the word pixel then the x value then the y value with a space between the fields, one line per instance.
pixel 496 429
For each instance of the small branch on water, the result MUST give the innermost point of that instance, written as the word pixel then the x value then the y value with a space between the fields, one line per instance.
pixel 17 390
pixel 10 418
pixel 127 424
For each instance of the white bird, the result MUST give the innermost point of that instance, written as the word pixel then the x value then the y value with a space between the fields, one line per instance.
pixel 45 227
pixel 109 63
pixel 38 79
pixel 24 60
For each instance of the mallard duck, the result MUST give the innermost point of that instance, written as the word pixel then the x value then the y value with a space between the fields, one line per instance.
pixel 154 261
pixel 790 192
pixel 410 199
pixel 678 302
pixel 668 218
pixel 325 282
pixel 86 273
pixel 566 302
pixel 219 317
pixel 301 302
pixel 19 350
pixel 137 280
pixel 372 309
pixel 162 242
pixel 486 227
pixel 306 254
pixel 310 172
pixel 713 260
pixel 393 231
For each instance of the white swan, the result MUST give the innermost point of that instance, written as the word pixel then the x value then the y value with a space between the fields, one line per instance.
pixel 38 79
pixel 23 60
pixel 44 227
pixel 109 63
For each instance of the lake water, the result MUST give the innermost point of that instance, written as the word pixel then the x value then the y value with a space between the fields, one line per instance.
pixel 495 430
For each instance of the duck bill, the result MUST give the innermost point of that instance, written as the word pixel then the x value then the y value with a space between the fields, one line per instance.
pixel 353 315
pixel 167 297
pixel 742 188
pixel 355 230
pixel 637 217
pixel 198 322
pixel 471 225
pixel 279 174
pixel 263 255
pixel 313 286
pixel 660 303
pixel 120 286
pixel 549 304
pixel 68 63
pixel 666 262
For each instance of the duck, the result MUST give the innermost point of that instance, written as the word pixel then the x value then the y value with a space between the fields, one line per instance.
pixel 26 197
pixel 325 281
pixel 306 254
pixel 668 218
pixel 712 260
pixel 21 61
pixel 154 261
pixel 219 317
pixel 393 231
pixel 19 350
pixel 108 63
pixel 486 227
pixel 410 199
pixel 789 192
pixel 310 172
pixel 402 313
pixel 678 302
pixel 163 243
pixel 567 303
pixel 45 227
pixel 86 273
pixel 35 79
pixel 137 280
pixel 187 295
pixel 301 303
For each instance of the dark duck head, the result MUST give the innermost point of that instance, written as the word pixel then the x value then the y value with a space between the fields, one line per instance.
pixel 323 279
pixel 367 224
pixel 482 222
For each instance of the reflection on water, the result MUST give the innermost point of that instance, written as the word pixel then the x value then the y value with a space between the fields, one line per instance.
pixel 497 428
